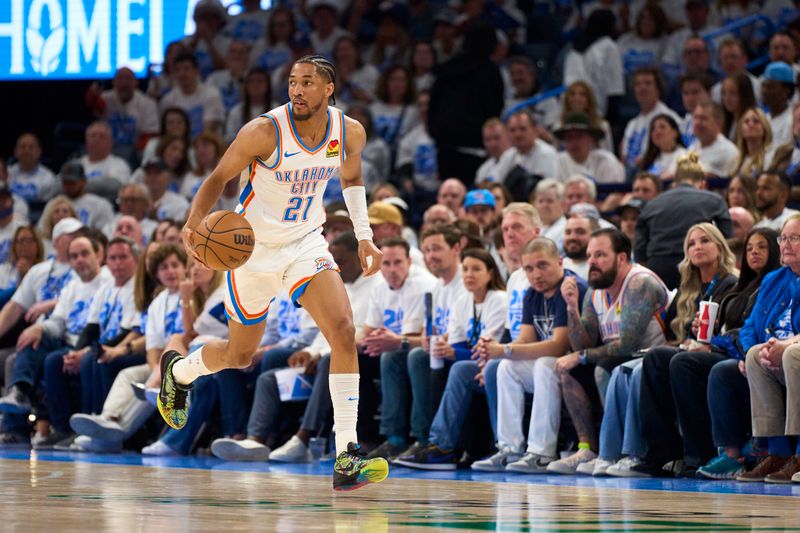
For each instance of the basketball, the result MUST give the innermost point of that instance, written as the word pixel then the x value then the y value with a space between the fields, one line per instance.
pixel 224 240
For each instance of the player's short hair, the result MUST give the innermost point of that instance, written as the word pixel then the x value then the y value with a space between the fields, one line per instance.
pixel 541 244
pixel 161 254
pixel 697 77
pixel 580 178
pixel 347 240
pixel 784 180
pixel 323 67
pixel 127 241
pixel 620 242
pixel 397 242
pixel 550 184
pixel 451 234
pixel 525 210
pixel 186 56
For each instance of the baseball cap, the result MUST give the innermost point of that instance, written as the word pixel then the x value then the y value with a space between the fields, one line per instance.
pixel 384 213
pixel 479 197
pixel 66 226
pixel 586 210
pixel 779 71
pixel 72 171
pixel 154 161
pixel 633 203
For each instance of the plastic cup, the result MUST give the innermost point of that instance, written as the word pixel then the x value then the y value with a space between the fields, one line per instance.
pixel 708 317
pixel 436 362
pixel 317 447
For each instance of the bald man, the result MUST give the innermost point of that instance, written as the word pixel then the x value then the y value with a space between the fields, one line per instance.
pixel 451 194
pixel 743 222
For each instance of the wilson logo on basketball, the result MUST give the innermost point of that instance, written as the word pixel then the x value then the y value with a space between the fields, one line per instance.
pixel 333 149
pixel 246 240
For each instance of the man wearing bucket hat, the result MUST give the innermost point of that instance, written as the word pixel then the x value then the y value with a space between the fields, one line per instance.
pixel 777 89
pixel 579 136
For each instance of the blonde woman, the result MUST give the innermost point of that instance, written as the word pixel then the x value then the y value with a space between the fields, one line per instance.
pixel 754 140
pixel 708 272
pixel 579 98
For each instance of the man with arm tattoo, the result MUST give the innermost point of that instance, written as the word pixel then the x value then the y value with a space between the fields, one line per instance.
pixel 621 315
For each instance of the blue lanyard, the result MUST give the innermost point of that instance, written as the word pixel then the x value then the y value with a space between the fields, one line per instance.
pixel 707 295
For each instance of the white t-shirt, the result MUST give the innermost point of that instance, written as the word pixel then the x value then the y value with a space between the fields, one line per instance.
pixel 163 319
pixel 324 46
pixel 213 320
pixel 546 112
pixel 602 166
pixel 6 238
pixel 44 281
pixel 777 222
pixel 171 205
pixel 38 185
pixel 130 119
pixel 490 170
pixel 490 317
pixel 205 62
pixel 72 310
pixel 110 167
pixel 247 26
pixel 666 163
pixel 781 127
pixel 637 52
pixel 203 105
pixel 418 149
pixel 637 132
pixel 445 298
pixel 113 308
pixel 391 122
pixel 235 119
pixel 555 231
pixel 580 268
pixel 94 211
pixel 720 157
pixel 401 311
pixel 269 57
pixel 541 160
pixel 365 78
pixel 9 277
pixel 601 67
pixel 229 87
pixel 515 290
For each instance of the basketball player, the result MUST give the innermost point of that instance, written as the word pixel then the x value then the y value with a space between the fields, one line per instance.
pixel 285 158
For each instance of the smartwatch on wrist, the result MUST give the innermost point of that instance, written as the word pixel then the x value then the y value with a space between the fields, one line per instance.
pixel 507 351
pixel 582 357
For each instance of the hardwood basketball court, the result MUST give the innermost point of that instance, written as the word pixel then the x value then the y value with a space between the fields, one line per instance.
pixel 72 492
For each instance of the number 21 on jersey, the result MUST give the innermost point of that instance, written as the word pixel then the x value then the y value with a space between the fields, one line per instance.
pixel 297 209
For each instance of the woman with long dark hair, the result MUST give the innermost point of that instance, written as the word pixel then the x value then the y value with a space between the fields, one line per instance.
pixel 737 97
pixel 664 147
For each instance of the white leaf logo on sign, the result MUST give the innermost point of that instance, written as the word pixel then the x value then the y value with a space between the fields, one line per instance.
pixel 44 51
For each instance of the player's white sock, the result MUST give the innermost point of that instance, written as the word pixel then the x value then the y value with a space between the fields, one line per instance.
pixel 344 395
pixel 190 368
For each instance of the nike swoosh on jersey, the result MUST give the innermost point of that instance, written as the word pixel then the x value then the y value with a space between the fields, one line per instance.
pixel 287 154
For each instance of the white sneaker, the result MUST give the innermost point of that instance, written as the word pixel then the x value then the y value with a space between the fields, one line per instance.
pixel 624 468
pixel 531 463
pixel 97 427
pixel 498 461
pixel 587 468
pixel 601 467
pixel 294 451
pixel 569 466
pixel 160 449
pixel 796 478
pixel 239 450
pixel 84 443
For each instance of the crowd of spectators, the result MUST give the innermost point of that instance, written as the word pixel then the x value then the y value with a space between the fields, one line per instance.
pixel 561 247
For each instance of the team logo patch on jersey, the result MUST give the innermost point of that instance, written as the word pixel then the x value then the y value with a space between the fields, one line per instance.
pixel 324 263
pixel 333 149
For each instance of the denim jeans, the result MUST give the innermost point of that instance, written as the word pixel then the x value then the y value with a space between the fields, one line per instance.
pixel 319 405
pixel 62 390
pixel 97 377
pixel 728 398
pixel 620 432
pixel 454 407
pixel 234 399
pixel 29 364
pixel 267 401
pixel 399 377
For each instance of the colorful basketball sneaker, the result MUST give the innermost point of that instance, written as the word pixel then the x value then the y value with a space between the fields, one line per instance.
pixel 173 398
pixel 353 470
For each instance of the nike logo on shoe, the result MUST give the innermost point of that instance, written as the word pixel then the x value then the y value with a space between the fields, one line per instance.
pixel 352 398
pixel 287 154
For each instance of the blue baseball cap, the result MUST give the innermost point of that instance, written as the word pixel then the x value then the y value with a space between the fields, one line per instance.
pixel 479 197
pixel 779 71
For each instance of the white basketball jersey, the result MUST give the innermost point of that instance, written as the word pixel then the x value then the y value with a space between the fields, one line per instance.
pixel 282 196
pixel 609 313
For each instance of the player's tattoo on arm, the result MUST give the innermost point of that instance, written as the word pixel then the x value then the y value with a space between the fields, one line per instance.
pixel 580 409
pixel 584 328
pixel 643 297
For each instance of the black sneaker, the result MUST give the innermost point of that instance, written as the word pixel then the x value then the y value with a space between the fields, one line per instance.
pixel 49 442
pixel 15 402
pixel 173 398
pixel 653 469
pixel 385 450
pixel 411 450
pixel 352 470
pixel 11 440
pixel 430 458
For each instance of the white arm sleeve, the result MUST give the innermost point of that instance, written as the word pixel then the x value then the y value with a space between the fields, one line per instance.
pixel 355 198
